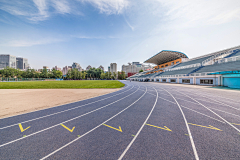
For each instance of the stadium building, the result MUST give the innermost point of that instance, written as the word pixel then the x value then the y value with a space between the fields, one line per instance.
pixel 220 68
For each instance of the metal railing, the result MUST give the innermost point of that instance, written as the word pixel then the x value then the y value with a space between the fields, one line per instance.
pixel 230 59
pixel 27 79
pixel 207 61
pixel 187 66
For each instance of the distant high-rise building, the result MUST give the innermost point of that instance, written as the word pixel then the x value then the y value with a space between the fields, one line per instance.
pixel 101 67
pixel 46 67
pixel 57 68
pixel 66 69
pixel 7 60
pixel 22 63
pixel 88 67
pixel 134 67
pixel 113 67
pixel 77 66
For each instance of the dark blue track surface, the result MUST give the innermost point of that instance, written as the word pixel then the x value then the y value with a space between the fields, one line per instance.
pixel 158 121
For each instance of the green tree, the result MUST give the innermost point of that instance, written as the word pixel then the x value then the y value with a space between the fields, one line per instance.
pixel 140 71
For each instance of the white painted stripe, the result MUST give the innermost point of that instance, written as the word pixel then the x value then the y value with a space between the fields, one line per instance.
pixel 188 129
pixel 218 102
pixel 202 114
pixel 130 144
pixel 213 113
pixel 161 98
pixel 65 121
pixel 63 110
pixel 224 112
pixel 232 100
pixel 92 129
pixel 63 104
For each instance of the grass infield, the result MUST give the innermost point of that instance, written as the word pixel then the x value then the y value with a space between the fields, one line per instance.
pixel 61 84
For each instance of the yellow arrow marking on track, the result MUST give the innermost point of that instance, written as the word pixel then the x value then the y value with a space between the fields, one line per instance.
pixel 211 127
pixel 235 124
pixel 68 128
pixel 165 128
pixel 120 129
pixel 21 128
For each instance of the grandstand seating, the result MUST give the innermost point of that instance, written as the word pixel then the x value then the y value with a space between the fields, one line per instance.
pixel 193 61
pixel 182 71
pixel 237 53
pixel 229 66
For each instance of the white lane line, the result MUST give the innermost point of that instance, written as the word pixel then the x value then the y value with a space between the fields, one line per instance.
pixel 64 104
pixel 93 128
pixel 225 112
pixel 218 103
pixel 65 121
pixel 63 110
pixel 144 123
pixel 202 114
pixel 213 112
pixel 232 100
pixel 188 129
pixel 161 98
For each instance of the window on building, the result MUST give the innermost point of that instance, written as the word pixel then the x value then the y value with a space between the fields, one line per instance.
pixel 172 63
pixel 186 81
pixel 166 65
pixel 173 80
pixel 206 81
pixel 164 80
pixel 162 66
pixel 177 62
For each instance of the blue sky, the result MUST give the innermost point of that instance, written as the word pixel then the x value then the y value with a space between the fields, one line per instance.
pixel 100 32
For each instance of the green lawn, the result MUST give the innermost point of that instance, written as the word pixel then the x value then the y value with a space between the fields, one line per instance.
pixel 61 84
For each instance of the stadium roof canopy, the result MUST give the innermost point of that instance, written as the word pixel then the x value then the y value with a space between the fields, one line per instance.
pixel 165 56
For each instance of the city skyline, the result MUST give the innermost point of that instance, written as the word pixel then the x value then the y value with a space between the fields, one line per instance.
pixel 99 32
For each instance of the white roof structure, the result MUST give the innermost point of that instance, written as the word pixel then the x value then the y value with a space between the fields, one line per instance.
pixel 165 56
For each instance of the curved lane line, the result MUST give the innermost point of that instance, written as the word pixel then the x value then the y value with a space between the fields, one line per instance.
pixel 66 121
pixel 213 113
pixel 64 110
pixel 130 144
pixel 189 132
pixel 93 128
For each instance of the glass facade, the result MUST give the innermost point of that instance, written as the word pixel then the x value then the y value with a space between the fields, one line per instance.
pixel 7 61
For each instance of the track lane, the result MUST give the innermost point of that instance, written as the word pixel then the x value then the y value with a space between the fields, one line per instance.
pixel 100 125
pixel 37 131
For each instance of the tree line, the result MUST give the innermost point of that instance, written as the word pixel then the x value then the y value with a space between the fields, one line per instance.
pixel 93 73
pixel 72 74
pixel 29 73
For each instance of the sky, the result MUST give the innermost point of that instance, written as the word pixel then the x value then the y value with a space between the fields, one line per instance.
pixel 100 32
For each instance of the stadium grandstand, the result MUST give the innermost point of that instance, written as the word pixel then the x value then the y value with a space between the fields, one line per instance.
pixel 220 68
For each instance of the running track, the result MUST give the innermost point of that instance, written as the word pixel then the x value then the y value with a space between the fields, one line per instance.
pixel 157 121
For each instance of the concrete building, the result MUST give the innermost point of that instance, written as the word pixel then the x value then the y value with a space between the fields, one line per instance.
pixel 77 66
pixel 113 68
pixel 7 60
pixel 22 63
pixel 57 68
pixel 66 69
pixel 88 67
pixel 134 67
pixel 47 68
pixel 101 67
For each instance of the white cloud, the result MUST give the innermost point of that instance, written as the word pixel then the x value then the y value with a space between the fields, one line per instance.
pixel 40 10
pixel 62 6
pixel 109 6
pixel 202 11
